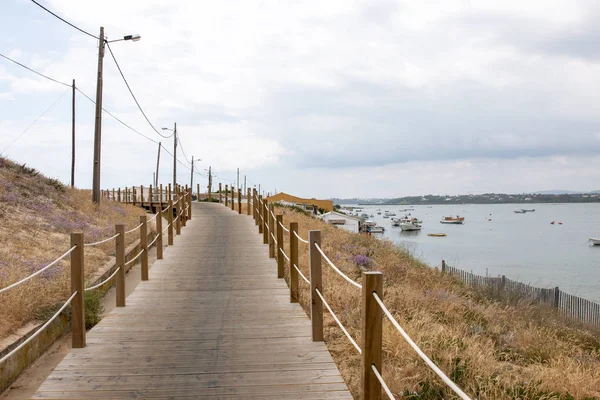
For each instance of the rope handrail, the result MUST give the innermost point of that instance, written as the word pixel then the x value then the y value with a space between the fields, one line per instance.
pixel 380 379
pixel 39 271
pixel 101 241
pixel 356 346
pixel 153 218
pixel 336 269
pixel 299 238
pixel 134 258
pixel 273 214
pixel 136 228
pixel 416 348
pixel 274 240
pixel 152 242
pixel 40 330
pixel 103 282
pixel 284 228
pixel 301 274
pixel 285 255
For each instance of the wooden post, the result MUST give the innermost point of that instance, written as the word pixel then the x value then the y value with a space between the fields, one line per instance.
pixel 443 266
pixel 220 194
pixel 372 323
pixel 316 305
pixel 183 210
pixel 119 195
pixel 150 199
pixel 142 195
pixel 159 241
pixel 144 246
pixel 177 217
pixel 259 215
pixel 226 196
pixel 239 201
pixel 189 203
pixel 160 197
pixel 78 302
pixel 169 194
pixel 232 199
pixel 120 261
pixel 255 206
pixel 556 301
pixel 134 194
pixel 114 198
pixel 293 261
pixel 271 231
pixel 198 191
pixel 170 220
pixel 248 202
pixel 279 229
pixel 265 221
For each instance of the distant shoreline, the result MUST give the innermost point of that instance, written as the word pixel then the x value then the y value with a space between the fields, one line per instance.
pixel 467 203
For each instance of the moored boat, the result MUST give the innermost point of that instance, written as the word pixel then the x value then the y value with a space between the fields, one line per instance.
pixel 377 229
pixel 436 234
pixel 457 218
pixel 520 211
pixel 595 241
pixel 452 221
pixel 410 226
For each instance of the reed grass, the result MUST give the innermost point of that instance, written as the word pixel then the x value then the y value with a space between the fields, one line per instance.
pixel 37 216
pixel 492 349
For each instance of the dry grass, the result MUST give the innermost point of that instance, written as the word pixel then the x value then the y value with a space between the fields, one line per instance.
pixel 37 215
pixel 491 349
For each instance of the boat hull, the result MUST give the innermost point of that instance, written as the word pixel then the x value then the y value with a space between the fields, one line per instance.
pixel 455 222
pixel 595 241
pixel 410 227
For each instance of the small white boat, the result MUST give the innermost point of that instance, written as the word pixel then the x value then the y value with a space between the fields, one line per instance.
pixel 410 226
pixel 519 211
pixel 377 229
pixel 595 241
pixel 452 221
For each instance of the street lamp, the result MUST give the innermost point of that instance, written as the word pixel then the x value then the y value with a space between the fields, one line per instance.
pixel 98 120
pixel 174 130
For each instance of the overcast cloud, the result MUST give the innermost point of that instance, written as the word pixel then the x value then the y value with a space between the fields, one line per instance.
pixel 335 98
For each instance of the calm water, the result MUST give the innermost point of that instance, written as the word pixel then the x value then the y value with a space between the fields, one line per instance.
pixel 524 247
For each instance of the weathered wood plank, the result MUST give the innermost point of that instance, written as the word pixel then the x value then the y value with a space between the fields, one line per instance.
pixel 212 322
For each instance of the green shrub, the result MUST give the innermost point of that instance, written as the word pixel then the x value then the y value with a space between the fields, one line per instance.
pixel 93 308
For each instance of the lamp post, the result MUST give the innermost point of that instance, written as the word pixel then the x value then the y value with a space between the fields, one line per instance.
pixel 98 121
pixel 174 130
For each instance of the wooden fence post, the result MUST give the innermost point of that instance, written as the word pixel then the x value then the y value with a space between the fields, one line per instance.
pixel 271 231
pixel 169 197
pixel 226 196
pixel 183 210
pixel 134 195
pixel 443 266
pixel 280 265
pixel 259 214
pixel 372 323
pixel 142 195
pixel 293 261
pixel 265 221
pixel 198 192
pixel 170 220
pixel 316 279
pixel 177 217
pixel 220 194
pixel 248 202
pixel 556 301
pixel 119 195
pixel 159 241
pixel 189 203
pixel 77 285
pixel 239 201
pixel 150 199
pixel 255 206
pixel 120 261
pixel 144 246
pixel 160 197
pixel 232 199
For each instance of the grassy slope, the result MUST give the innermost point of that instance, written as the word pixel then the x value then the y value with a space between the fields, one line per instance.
pixel 492 349
pixel 37 215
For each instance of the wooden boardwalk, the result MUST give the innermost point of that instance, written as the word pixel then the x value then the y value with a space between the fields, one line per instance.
pixel 213 322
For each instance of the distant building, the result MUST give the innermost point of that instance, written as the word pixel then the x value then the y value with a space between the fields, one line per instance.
pixel 343 221
pixel 305 204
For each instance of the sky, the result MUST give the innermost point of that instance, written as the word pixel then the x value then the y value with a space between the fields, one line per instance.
pixel 336 98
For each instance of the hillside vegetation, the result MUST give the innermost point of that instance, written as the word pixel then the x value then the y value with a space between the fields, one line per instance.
pixel 493 349
pixel 37 216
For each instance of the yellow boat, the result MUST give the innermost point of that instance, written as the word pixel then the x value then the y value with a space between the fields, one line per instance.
pixel 436 234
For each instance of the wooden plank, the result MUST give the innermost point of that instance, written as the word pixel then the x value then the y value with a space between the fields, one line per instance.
pixel 213 321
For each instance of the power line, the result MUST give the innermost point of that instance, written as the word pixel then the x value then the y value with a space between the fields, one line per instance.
pixel 34 122
pixel 64 20
pixel 133 95
pixel 183 151
pixel 34 71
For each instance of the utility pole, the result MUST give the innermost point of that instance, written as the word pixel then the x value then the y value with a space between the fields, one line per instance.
pixel 175 155
pixel 73 140
pixel 157 162
pixel 98 121
pixel 192 175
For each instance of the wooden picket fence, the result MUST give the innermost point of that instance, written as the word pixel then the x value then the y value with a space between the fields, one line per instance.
pixel 574 307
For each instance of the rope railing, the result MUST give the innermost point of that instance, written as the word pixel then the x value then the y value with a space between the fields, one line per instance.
pixel 416 348
pixel 301 274
pixel 103 282
pixel 336 269
pixel 152 242
pixel 284 228
pixel 101 241
pixel 40 330
pixel 299 238
pixel 273 236
pixel 39 271
pixel 284 255
pixel 134 229
pixel 382 382
pixel 356 346
pixel 134 258
pixel 153 218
